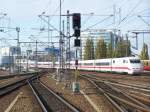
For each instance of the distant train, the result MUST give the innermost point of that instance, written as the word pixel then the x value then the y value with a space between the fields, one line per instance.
pixel 130 65
pixel 146 64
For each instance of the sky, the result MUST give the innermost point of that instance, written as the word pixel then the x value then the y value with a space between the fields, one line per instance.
pixel 24 14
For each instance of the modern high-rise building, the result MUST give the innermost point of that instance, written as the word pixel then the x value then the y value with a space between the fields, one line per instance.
pixel 95 34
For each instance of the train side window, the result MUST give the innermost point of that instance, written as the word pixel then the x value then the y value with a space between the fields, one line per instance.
pixel 113 61
pixel 124 61
pixel 103 64
pixel 135 61
pixel 88 63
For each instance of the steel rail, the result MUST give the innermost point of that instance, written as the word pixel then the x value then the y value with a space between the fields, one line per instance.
pixel 14 82
pixel 11 81
pixel 132 86
pixel 39 101
pixel 129 103
pixel 6 76
pixel 13 86
pixel 61 99
pixel 120 109
pixel 44 107
pixel 14 75
pixel 138 104
pixel 128 96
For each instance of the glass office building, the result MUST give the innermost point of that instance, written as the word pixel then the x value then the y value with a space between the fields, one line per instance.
pixel 95 35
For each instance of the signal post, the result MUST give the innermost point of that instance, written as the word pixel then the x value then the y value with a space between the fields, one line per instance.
pixel 76 19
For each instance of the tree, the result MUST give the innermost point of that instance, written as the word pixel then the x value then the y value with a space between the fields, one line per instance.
pixel 109 50
pixel 101 49
pixel 144 52
pixel 89 50
pixel 122 49
pixel 128 48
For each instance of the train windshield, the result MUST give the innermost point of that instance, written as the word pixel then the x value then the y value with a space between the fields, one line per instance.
pixel 135 61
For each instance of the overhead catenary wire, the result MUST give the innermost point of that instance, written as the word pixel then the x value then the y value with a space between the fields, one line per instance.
pixel 140 12
pixel 43 12
pixel 54 28
pixel 131 11
pixel 135 15
pixel 147 23
pixel 96 23
pixel 90 16
pixel 50 16
pixel 57 9
pixel 39 41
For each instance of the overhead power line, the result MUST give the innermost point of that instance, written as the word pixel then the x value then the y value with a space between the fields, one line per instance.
pixel 49 24
pixel 131 11
pixel 90 15
pixel 57 9
pixel 137 13
pixel 97 23
pixel 147 23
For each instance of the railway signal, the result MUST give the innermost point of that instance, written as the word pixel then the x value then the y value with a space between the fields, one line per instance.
pixel 76 20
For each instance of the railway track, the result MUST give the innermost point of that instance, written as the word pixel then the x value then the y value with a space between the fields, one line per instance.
pixel 141 88
pixel 9 81
pixel 11 86
pixel 121 101
pixel 49 100
pixel 14 75
pixel 6 76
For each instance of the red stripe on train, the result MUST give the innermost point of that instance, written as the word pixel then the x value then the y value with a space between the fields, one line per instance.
pixel 104 67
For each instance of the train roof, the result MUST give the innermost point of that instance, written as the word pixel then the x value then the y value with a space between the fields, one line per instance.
pixel 114 58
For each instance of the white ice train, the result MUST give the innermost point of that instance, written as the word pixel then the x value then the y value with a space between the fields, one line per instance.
pixel 130 65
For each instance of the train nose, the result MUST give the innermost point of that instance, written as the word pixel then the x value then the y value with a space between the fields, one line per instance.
pixel 137 69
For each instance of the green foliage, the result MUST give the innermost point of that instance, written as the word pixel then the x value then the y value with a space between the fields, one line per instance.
pixel 128 49
pixel 122 49
pixel 109 50
pixel 89 50
pixel 144 52
pixel 101 49
pixel 116 52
